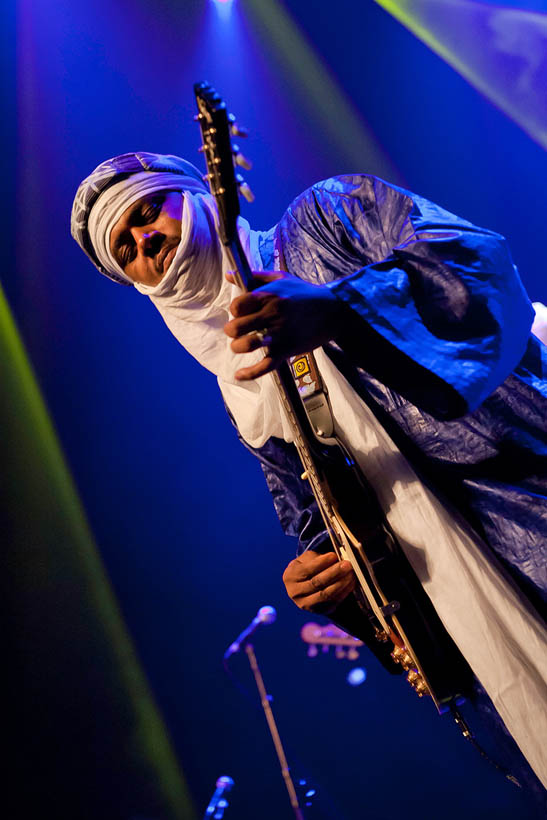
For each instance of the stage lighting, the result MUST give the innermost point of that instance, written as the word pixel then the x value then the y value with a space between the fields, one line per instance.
pixel 356 676
pixel 223 8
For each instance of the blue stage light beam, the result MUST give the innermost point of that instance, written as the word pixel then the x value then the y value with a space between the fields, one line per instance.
pixel 223 8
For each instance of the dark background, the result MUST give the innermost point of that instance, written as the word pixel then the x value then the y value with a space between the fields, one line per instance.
pixel 182 518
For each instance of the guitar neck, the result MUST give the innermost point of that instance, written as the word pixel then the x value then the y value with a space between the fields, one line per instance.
pixel 304 436
pixel 242 269
pixel 305 441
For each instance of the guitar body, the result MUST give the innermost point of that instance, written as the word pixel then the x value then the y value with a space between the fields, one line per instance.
pixel 386 568
pixel 391 598
pixel 421 643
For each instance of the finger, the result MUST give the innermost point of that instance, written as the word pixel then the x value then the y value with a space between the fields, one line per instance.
pixel 264 277
pixel 307 564
pixel 329 586
pixel 301 581
pixel 335 593
pixel 245 304
pixel 258 278
pixel 236 328
pixel 255 371
pixel 338 573
pixel 326 600
pixel 248 343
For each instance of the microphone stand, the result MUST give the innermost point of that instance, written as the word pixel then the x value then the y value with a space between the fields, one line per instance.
pixel 265 700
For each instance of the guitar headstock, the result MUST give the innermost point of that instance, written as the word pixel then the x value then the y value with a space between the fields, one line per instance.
pixel 330 635
pixel 217 129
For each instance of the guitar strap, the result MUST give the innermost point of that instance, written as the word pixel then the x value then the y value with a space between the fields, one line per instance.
pixel 306 374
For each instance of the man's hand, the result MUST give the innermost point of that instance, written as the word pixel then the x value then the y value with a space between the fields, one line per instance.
pixel 318 583
pixel 284 314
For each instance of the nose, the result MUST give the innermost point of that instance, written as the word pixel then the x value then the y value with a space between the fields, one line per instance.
pixel 143 237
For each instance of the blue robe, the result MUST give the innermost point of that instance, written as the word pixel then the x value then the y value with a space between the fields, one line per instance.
pixel 438 345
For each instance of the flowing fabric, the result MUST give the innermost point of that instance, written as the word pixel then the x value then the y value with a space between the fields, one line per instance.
pixel 441 353
pixel 500 636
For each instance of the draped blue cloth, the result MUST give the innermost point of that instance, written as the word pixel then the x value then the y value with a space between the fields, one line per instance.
pixel 439 345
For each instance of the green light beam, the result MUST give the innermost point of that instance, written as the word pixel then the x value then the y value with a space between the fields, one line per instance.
pixel 499 50
pixel 64 607
pixel 340 121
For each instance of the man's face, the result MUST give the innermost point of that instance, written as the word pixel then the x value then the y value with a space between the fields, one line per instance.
pixel 144 240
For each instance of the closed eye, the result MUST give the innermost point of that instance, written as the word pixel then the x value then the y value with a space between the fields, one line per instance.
pixel 151 212
pixel 126 254
pixel 145 213
pixel 124 249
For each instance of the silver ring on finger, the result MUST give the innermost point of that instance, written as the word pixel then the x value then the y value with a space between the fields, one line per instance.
pixel 263 337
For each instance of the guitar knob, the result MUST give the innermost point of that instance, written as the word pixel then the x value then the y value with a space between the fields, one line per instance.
pixel 398 654
pixel 421 688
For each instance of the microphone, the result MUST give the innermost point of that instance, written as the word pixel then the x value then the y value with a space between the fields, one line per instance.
pixel 218 801
pixel 265 615
pixel 224 782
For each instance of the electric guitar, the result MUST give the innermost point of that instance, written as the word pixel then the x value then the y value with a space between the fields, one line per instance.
pixel 389 594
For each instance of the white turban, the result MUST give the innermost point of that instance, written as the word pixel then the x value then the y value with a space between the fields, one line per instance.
pixel 114 201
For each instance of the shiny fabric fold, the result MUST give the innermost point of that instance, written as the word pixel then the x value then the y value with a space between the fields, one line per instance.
pixel 438 346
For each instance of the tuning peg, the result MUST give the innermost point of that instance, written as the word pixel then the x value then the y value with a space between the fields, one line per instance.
pixel 237 130
pixel 246 192
pixel 241 159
